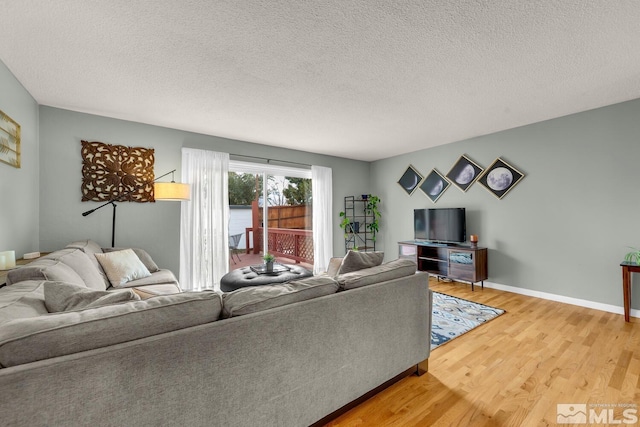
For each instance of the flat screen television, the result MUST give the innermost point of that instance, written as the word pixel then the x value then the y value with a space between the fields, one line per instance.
pixel 446 225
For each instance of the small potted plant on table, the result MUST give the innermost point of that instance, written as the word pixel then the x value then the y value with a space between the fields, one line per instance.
pixel 268 262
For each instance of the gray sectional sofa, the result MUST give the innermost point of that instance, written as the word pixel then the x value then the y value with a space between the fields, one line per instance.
pixel 280 355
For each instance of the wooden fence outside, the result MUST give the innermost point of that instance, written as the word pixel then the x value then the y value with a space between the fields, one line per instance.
pixel 290 232
pixel 297 217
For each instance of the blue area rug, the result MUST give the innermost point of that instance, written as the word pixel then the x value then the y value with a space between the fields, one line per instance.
pixel 453 317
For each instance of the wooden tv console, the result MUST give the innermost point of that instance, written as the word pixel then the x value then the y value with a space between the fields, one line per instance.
pixel 455 262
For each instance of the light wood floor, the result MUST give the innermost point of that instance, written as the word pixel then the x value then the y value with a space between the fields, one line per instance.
pixel 514 370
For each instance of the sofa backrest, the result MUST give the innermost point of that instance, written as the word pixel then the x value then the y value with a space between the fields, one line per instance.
pixel 25 340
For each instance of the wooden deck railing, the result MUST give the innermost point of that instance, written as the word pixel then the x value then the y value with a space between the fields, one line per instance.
pixel 290 243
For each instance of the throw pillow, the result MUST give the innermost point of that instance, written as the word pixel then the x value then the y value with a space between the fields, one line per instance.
pixel 122 267
pixel 142 254
pixel 334 266
pixel 60 296
pixel 354 261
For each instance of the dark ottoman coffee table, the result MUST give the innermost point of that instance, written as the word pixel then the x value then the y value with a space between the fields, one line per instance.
pixel 245 276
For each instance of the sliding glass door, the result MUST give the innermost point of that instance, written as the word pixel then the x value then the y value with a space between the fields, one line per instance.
pixel 270 211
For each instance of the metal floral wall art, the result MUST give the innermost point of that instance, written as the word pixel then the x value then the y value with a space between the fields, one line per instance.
pixel 111 170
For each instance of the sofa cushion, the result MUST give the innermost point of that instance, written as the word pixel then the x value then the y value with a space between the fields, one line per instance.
pixel 391 270
pixel 21 300
pixel 258 298
pixel 57 334
pixel 81 264
pixel 91 248
pixel 45 269
pixel 60 296
pixel 122 267
pixel 142 254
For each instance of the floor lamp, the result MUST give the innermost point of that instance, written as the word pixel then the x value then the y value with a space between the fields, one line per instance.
pixel 169 191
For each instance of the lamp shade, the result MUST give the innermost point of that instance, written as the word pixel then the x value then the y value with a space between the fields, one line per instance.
pixel 171 191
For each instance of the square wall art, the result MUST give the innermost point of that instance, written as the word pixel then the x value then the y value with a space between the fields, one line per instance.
pixel 410 179
pixel 110 171
pixel 464 173
pixel 434 185
pixel 500 178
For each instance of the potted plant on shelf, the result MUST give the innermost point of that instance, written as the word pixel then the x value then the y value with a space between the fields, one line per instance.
pixel 268 262
pixel 347 225
pixel 372 209
pixel 353 227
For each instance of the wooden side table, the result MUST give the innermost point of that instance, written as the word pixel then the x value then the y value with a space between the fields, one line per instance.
pixel 627 269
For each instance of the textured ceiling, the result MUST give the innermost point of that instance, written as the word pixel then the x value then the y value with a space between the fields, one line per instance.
pixel 362 79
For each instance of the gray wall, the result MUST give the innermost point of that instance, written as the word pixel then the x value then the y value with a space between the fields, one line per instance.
pixel 154 226
pixel 19 199
pixel 565 228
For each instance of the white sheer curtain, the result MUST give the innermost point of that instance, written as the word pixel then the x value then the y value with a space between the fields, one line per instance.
pixel 322 194
pixel 204 235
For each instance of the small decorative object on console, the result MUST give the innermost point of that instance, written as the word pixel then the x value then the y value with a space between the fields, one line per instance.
pixel 633 256
pixel 8 260
pixel 474 240
pixel 31 255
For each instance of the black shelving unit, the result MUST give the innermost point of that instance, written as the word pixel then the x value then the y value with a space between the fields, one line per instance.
pixel 357 233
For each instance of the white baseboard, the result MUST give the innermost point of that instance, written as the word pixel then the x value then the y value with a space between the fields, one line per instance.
pixel 561 298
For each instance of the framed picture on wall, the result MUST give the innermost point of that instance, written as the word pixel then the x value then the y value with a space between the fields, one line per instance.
pixel 434 185
pixel 410 179
pixel 500 178
pixel 464 173
pixel 9 141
